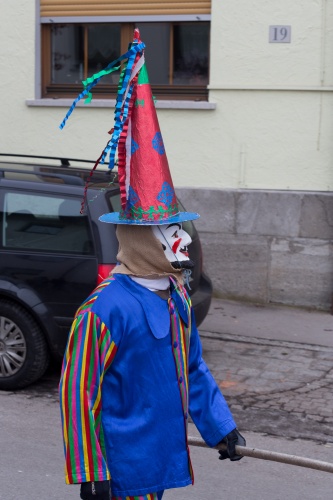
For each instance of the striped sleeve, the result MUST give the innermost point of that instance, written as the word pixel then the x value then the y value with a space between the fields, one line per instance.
pixel 89 353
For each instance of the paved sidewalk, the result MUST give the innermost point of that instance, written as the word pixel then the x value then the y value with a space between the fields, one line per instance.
pixel 269 321
pixel 275 367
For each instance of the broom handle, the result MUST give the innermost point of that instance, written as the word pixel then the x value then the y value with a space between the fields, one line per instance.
pixel 269 455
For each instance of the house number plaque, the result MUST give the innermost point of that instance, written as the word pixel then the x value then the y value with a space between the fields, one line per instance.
pixel 279 34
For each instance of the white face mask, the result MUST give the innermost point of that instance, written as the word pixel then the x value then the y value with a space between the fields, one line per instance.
pixel 174 241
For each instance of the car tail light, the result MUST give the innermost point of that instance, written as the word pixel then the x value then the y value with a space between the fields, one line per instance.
pixel 104 271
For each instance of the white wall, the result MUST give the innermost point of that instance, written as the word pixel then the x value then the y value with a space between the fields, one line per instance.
pixel 272 127
pixel 17 60
pixel 280 135
pixel 240 43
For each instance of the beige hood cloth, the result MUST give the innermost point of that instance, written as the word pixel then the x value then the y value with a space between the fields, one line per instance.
pixel 141 254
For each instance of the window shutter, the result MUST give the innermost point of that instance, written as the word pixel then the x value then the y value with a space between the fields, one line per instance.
pixel 76 8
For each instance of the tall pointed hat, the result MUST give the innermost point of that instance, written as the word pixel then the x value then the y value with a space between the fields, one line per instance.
pixel 146 187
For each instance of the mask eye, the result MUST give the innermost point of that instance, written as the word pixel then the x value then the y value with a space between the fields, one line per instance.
pixel 175 234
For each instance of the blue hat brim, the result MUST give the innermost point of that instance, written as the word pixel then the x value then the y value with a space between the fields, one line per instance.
pixel 113 218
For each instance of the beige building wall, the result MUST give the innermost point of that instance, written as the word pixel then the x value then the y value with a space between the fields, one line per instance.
pixel 272 125
pixel 274 100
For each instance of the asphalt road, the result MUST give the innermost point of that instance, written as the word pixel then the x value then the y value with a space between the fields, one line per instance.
pixel 31 461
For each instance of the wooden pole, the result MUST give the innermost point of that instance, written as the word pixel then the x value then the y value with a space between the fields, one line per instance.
pixel 269 455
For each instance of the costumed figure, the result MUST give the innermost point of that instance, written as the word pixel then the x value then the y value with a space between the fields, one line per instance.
pixel 133 371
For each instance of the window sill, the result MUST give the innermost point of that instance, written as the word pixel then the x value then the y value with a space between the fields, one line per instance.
pixel 110 103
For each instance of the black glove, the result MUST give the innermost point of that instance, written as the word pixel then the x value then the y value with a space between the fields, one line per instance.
pixel 231 439
pixel 96 490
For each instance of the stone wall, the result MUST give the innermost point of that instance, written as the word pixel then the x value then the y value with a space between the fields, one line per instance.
pixel 266 246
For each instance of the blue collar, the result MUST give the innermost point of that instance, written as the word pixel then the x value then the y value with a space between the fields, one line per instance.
pixel 155 308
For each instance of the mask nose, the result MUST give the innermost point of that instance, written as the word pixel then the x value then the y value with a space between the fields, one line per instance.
pixel 186 238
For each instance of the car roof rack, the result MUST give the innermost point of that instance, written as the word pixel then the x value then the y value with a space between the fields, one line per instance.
pixel 70 177
pixel 64 162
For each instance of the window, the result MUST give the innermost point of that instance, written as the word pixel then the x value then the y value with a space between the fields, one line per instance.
pixel 177 57
pixel 45 223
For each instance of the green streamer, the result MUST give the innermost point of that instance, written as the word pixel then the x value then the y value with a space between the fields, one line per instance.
pixel 99 75
pixel 88 98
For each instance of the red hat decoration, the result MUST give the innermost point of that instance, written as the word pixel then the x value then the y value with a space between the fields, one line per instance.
pixel 146 187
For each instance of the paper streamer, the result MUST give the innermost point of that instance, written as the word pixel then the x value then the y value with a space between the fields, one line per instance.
pixel 130 55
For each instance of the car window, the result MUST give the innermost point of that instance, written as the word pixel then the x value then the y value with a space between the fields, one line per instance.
pixel 115 201
pixel 47 223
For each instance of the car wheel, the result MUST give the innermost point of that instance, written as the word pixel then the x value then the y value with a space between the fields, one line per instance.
pixel 24 354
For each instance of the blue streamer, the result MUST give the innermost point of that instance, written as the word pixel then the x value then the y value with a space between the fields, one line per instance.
pixel 130 55
pixel 113 143
pixel 121 114
pixel 120 122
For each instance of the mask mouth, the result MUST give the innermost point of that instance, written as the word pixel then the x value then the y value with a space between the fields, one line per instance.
pixel 182 264
pixel 184 251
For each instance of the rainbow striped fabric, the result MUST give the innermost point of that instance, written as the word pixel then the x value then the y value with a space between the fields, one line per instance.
pixel 180 333
pixel 90 351
pixel 149 496
pixel 181 343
